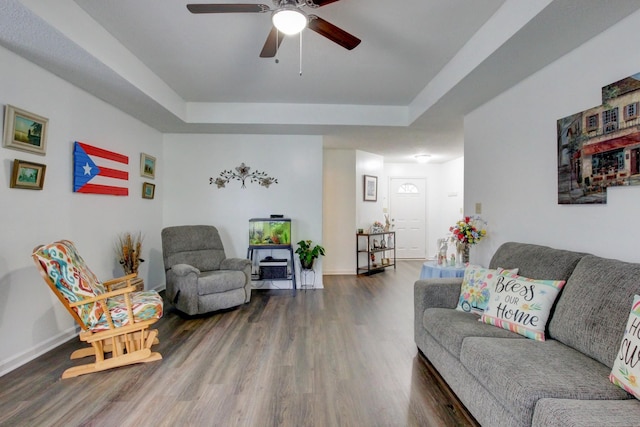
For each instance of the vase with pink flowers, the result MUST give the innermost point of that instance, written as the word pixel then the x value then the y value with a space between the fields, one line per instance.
pixel 466 232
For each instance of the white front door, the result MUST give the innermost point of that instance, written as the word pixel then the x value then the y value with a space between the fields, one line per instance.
pixel 408 207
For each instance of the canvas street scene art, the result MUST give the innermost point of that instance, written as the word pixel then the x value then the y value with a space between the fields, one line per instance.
pixel 600 147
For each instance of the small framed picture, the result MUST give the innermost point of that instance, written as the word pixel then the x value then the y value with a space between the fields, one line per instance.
pixel 27 175
pixel 147 166
pixel 370 188
pixel 24 131
pixel 148 190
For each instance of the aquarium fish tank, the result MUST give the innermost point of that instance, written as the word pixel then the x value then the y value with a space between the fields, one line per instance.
pixel 270 232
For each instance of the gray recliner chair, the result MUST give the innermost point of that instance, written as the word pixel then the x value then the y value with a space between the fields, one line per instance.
pixel 200 278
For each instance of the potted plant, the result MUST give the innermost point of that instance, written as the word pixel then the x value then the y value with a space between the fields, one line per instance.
pixel 308 254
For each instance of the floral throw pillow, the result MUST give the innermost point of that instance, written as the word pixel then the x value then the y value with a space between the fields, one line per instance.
pixel 521 305
pixel 474 292
pixel 626 367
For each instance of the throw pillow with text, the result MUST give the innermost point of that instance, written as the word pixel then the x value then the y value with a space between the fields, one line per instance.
pixel 521 305
pixel 626 367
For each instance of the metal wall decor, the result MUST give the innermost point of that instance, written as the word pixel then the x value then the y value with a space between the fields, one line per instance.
pixel 242 173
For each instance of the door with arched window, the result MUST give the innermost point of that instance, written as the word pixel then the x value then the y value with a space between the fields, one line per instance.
pixel 408 207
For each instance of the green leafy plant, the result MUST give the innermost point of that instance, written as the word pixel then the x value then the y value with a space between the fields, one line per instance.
pixel 307 253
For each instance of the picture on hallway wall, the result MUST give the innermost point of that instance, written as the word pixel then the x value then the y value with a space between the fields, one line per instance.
pixel 24 131
pixel 370 188
pixel 600 147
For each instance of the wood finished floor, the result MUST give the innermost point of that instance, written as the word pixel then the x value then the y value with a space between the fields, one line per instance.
pixel 342 356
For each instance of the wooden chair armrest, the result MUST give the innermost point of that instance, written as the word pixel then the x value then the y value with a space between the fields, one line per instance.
pixel 109 283
pixel 101 299
pixel 104 296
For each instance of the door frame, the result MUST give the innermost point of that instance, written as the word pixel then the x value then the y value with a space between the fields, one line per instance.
pixel 426 218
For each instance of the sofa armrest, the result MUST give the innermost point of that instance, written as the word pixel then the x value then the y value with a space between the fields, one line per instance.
pixel 237 264
pixel 182 270
pixel 431 293
pixel 441 292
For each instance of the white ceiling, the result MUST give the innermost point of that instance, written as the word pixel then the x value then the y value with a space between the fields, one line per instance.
pixel 421 66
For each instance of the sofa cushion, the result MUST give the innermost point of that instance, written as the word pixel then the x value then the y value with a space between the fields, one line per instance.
pixel 212 282
pixel 474 291
pixel 586 413
pixel 593 308
pixel 196 245
pixel 626 369
pixel 536 262
pixel 521 305
pixel 520 372
pixel 450 327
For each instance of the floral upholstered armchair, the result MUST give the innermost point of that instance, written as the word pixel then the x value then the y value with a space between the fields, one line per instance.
pixel 114 322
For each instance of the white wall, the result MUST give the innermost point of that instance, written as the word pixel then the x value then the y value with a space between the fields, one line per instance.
pixel 31 319
pixel 445 194
pixel 511 159
pixel 368 212
pixel 339 211
pixel 296 161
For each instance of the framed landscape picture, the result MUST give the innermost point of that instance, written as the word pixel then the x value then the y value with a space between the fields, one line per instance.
pixel 24 131
pixel 370 188
pixel 148 190
pixel 27 175
pixel 147 166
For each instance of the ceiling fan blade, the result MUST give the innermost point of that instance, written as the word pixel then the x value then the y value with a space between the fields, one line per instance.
pixel 320 3
pixel 332 32
pixel 272 44
pixel 228 8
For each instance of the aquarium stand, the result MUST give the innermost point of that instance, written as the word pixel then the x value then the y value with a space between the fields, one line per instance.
pixel 273 269
pixel 272 233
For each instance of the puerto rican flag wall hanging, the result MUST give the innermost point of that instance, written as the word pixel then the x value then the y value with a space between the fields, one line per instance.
pixel 99 171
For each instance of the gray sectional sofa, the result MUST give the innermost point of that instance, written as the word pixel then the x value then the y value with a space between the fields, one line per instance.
pixel 505 379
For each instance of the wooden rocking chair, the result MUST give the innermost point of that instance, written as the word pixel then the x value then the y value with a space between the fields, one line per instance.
pixel 112 321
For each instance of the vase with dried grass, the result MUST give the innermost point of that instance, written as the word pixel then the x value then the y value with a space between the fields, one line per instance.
pixel 129 249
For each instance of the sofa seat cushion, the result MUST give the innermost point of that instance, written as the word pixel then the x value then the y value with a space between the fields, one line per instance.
pixel 450 327
pixel 213 282
pixel 586 413
pixel 520 372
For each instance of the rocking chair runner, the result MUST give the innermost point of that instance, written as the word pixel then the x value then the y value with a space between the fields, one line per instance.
pixel 112 321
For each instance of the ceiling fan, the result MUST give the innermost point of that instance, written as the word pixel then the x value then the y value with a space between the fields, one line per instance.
pixel 289 11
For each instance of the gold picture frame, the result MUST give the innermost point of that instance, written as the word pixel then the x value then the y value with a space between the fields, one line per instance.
pixel 25 131
pixel 147 166
pixel 148 190
pixel 27 175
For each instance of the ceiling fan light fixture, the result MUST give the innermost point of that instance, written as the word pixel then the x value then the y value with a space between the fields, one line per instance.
pixel 289 20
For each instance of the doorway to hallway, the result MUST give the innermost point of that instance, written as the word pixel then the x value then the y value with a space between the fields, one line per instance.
pixel 407 210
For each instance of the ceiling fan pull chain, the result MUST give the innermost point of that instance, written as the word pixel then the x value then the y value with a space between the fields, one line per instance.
pixel 300 53
pixel 277 50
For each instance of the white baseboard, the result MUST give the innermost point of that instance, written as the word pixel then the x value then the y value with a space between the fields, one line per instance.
pixel 18 360
pixel 340 273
